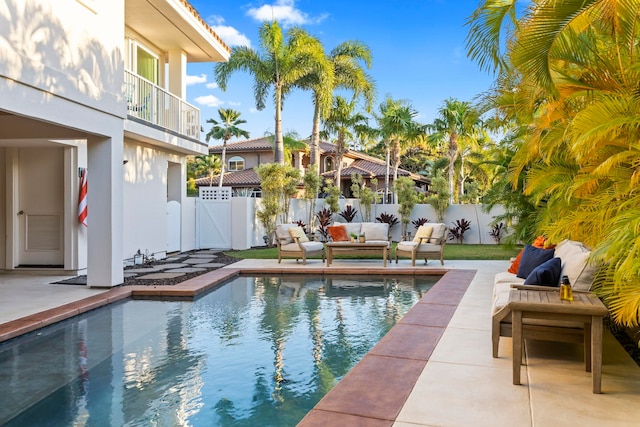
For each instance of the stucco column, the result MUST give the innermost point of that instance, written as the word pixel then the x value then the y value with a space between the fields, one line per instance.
pixel 105 211
pixel 177 72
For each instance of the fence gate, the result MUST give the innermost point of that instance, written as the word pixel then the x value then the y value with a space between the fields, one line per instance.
pixel 213 218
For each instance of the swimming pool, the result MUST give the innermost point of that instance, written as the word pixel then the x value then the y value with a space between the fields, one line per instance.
pixel 256 351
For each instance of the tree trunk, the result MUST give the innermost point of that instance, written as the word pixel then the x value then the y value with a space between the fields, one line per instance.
pixel 278 149
pixel 396 164
pixel 453 151
pixel 314 147
pixel 386 175
pixel 340 149
pixel 223 159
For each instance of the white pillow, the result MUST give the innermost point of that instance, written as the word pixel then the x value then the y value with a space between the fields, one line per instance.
pixel 424 232
pixel 282 233
pixel 375 230
pixel 438 233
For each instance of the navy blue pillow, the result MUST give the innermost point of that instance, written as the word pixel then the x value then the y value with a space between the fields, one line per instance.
pixel 546 274
pixel 531 258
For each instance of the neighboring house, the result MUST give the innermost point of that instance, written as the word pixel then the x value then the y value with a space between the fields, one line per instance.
pixel 243 156
pixel 97 85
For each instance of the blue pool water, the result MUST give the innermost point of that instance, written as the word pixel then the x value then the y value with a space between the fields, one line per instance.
pixel 258 351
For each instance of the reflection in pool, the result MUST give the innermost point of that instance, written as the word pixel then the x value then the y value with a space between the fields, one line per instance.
pixel 256 351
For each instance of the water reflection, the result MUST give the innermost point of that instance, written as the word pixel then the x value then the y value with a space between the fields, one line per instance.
pixel 257 351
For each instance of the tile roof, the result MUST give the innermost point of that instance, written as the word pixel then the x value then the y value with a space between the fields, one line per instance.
pixel 245 178
pixel 257 144
pixel 195 13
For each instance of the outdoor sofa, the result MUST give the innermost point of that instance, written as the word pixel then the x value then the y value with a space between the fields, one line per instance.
pixel 292 242
pixel 573 261
pixel 428 243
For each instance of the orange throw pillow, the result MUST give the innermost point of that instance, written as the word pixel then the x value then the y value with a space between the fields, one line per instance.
pixel 539 242
pixel 338 233
pixel 516 263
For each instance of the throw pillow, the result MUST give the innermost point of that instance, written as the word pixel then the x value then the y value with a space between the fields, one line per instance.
pixel 298 233
pixel 531 258
pixel 423 233
pixel 546 274
pixel 516 263
pixel 338 233
pixel 375 231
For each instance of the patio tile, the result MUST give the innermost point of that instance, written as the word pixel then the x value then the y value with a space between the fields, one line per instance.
pixel 442 296
pixel 469 347
pixel 376 387
pixel 317 418
pixel 429 315
pixel 186 270
pixel 409 341
pixel 160 276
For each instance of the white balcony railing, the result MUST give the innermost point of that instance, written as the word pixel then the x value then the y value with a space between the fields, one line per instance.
pixel 151 103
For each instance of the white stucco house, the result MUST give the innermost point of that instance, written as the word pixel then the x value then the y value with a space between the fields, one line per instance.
pixel 100 85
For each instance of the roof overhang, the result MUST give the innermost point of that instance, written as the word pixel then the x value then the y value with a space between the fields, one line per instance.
pixel 175 24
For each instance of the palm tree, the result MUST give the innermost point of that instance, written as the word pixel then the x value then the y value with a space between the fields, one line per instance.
pixel 576 75
pixel 457 126
pixel 207 165
pixel 284 60
pixel 225 129
pixel 396 126
pixel 345 72
pixel 345 125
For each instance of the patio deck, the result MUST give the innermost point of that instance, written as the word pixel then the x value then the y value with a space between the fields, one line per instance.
pixel 452 380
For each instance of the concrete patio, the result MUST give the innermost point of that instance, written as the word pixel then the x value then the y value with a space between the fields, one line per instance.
pixel 457 382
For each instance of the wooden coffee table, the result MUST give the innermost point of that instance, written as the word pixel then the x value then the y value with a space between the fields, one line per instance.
pixel 585 308
pixel 348 248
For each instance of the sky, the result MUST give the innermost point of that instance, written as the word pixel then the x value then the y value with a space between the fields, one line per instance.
pixel 418 49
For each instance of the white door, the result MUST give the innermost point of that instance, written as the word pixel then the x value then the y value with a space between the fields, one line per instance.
pixel 41 207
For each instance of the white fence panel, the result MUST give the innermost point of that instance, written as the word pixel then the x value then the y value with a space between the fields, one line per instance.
pixel 213 218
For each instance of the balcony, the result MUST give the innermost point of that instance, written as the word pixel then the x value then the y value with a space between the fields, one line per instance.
pixel 149 102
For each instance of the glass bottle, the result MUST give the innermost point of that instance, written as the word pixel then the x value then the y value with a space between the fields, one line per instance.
pixel 566 292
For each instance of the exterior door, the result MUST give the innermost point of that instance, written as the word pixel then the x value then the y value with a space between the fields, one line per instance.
pixel 213 218
pixel 41 207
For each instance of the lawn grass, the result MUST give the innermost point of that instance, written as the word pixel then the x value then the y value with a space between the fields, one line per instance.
pixel 451 252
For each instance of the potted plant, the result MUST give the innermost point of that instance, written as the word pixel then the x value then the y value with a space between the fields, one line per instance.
pixel 361 238
pixel 353 236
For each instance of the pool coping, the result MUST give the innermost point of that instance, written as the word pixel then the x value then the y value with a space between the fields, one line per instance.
pixel 373 391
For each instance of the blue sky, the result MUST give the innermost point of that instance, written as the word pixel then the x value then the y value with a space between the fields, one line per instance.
pixel 418 49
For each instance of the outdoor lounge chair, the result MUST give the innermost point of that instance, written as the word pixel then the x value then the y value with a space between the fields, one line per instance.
pixel 428 243
pixel 293 243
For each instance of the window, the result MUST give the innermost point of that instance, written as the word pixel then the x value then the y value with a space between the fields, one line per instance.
pixel 143 62
pixel 328 164
pixel 236 163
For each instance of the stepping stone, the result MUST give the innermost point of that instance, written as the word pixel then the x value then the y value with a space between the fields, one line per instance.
pixel 144 270
pixel 196 260
pixel 203 256
pixel 170 265
pixel 211 265
pixel 173 258
pixel 154 276
pixel 129 274
pixel 186 270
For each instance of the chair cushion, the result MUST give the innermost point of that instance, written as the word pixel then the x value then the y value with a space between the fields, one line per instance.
pixel 375 230
pixel 531 258
pixel 546 274
pixel 429 248
pixel 574 256
pixel 298 233
pixel 438 233
pixel 424 232
pixel 290 247
pixel 406 246
pixel 338 233
pixel 282 233
pixel 313 246
pixel 506 277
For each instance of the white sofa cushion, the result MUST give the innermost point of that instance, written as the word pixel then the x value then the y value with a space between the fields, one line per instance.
pixel 438 233
pixel 574 256
pixel 352 227
pixel 312 246
pixel 509 278
pixel 406 246
pixel 375 231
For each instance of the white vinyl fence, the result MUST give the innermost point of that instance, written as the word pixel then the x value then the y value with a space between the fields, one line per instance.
pixel 242 229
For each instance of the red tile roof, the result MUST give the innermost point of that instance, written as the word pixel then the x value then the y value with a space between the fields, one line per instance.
pixel 204 24
pixel 257 144
pixel 245 178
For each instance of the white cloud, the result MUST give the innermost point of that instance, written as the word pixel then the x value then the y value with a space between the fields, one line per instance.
pixel 193 80
pixel 212 85
pixel 209 101
pixel 230 35
pixel 283 11
pixel 253 110
pixel 234 104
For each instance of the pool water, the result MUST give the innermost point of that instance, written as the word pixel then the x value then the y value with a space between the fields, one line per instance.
pixel 257 351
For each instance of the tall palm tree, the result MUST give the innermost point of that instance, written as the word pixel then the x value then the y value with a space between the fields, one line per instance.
pixel 456 126
pixel 346 72
pixel 575 63
pixel 343 123
pixel 225 129
pixel 284 59
pixel 395 126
